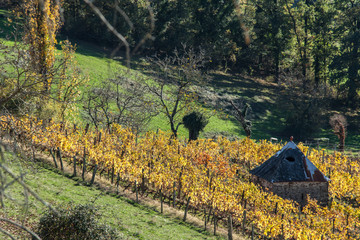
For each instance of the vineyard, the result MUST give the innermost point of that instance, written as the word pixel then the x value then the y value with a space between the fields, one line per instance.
pixel 212 176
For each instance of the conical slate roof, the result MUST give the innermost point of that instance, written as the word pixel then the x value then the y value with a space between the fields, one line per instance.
pixel 289 165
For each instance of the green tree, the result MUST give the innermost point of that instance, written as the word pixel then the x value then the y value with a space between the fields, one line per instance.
pixel 324 42
pixel 346 65
pixel 272 34
pixel 195 122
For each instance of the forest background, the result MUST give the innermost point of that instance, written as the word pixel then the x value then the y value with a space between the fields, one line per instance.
pixel 296 63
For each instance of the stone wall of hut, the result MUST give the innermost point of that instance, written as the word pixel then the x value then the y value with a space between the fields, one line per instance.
pixel 298 190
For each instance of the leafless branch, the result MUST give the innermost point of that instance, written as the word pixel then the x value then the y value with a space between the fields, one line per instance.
pixel 21 182
pixel 22 227
pixel 112 29
pixel 7 234
pixel 122 39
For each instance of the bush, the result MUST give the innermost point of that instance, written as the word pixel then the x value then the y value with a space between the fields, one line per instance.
pixel 195 122
pixel 74 222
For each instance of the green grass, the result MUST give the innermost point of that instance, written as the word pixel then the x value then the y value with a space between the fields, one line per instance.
pixel 131 219
pixel 93 63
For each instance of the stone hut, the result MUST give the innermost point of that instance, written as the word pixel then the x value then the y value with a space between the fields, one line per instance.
pixel 290 174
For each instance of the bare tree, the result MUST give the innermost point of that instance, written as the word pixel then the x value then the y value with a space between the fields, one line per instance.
pixel 241 113
pixel 175 78
pixel 338 123
pixel 122 100
pixel 17 80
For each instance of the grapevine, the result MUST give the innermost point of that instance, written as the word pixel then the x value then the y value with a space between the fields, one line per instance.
pixel 214 174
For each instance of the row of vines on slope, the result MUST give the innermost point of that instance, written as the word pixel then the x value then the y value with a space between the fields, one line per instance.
pixel 214 174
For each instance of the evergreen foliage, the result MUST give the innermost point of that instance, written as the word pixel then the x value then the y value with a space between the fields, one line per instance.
pixel 195 122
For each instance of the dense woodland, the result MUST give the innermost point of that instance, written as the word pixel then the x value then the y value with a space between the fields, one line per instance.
pixel 314 42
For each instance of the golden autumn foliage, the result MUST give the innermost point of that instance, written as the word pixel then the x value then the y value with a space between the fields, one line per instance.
pixel 46 82
pixel 42 21
pixel 214 174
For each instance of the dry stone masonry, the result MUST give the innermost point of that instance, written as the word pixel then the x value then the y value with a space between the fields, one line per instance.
pixel 290 174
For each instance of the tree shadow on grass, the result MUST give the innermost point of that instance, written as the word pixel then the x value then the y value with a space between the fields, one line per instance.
pixel 8 28
pixel 269 104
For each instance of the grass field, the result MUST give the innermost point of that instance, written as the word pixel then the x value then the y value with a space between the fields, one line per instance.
pixel 132 220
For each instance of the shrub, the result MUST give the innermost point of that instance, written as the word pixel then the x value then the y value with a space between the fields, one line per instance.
pixel 75 222
pixel 195 122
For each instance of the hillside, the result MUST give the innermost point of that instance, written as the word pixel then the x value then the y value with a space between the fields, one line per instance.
pixel 278 109
pixel 74 102
pixel 213 176
pixel 272 104
pixel 132 220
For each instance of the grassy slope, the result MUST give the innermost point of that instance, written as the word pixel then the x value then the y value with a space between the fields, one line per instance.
pixel 269 103
pixel 93 63
pixel 132 220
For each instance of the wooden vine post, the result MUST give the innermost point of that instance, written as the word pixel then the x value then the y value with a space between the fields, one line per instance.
pixel 244 220
pixel 74 174
pixel 215 221
pixel 174 194
pixel 230 228
pixel 60 158
pixel 84 166
pixel 54 158
pixel 93 176
pixel 186 208
pixel 205 218
pixel 252 232
pixel 112 172
pixel 117 183
pixel 180 182
pixel 142 181
pixel 136 191
pixel 161 202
